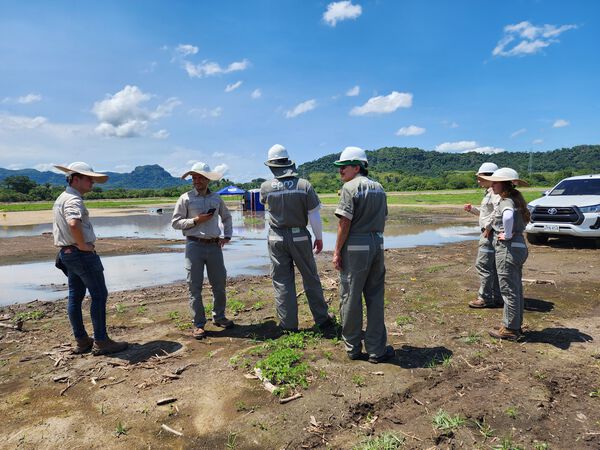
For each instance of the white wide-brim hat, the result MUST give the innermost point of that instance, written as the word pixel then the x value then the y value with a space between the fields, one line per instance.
pixel 203 169
pixel 83 169
pixel 503 174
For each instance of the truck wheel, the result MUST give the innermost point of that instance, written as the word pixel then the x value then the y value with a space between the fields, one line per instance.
pixel 537 239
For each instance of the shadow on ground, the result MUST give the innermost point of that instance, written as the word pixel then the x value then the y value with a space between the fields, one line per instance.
pixel 538 305
pixel 137 353
pixel 559 337
pixel 409 357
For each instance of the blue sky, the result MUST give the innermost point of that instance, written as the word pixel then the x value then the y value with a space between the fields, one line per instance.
pixel 121 84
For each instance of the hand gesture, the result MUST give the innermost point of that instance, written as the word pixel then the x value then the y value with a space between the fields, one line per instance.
pixel 318 246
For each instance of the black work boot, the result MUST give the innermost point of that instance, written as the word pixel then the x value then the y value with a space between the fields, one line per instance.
pixel 84 345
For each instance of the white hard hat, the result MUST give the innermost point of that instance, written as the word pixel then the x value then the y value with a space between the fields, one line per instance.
pixel 487 167
pixel 203 169
pixel 83 169
pixel 278 157
pixel 504 174
pixel 352 156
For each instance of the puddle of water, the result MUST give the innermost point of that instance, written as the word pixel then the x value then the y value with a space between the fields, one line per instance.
pixel 247 255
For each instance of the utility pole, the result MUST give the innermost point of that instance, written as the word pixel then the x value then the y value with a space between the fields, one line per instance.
pixel 530 167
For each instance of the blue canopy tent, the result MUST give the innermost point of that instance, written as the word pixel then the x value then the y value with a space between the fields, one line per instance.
pixel 231 190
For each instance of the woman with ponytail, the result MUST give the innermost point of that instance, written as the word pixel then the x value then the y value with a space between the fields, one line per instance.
pixel 510 218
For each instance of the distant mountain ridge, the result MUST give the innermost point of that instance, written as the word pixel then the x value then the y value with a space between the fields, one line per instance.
pixel 415 161
pixel 142 177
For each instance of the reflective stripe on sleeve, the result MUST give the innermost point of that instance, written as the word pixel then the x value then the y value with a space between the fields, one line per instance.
pixel 519 245
pixel 300 238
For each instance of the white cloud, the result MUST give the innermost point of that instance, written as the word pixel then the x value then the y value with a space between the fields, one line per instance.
pixel 256 93
pixel 338 11
pixel 29 98
pixel 467 147
pixel 456 146
pixel 518 132
pixel 47 167
pixel 559 123
pixel 123 168
pixel 208 68
pixel 233 86
pixel 526 39
pixel 537 141
pixel 121 115
pixel 13 123
pixel 411 130
pixel 206 112
pixel 383 104
pixel 353 92
pixel 221 168
pixel 186 49
pixel 301 108
pixel 161 134
pixel 218 155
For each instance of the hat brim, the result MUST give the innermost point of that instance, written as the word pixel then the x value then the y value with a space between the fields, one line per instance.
pixel 489 179
pixel 283 166
pixel 350 162
pixel 213 176
pixel 98 177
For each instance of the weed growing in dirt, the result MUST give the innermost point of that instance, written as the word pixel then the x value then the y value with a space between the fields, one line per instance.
pixel 174 315
pixel 29 315
pixel 539 375
pixel 473 338
pixel 444 360
pixel 3 362
pixel 444 421
pixel 141 309
pixel 595 393
pixel 322 374
pixel 120 429
pixel 404 320
pixel 434 269
pixel 328 355
pixel 120 308
pixel 235 307
pixel 208 310
pixel 242 406
pixel 284 367
pixel 258 306
pixel 485 430
pixel 231 441
pixel 511 412
pixel 358 380
pixel 179 322
pixel 540 445
pixel 385 441
pixel 507 444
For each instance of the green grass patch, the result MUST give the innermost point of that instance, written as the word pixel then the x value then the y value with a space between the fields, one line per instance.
pixel 29 315
pixel 385 441
pixel 235 306
pixel 404 320
pixel 444 360
pixel 284 367
pixel 437 268
pixel 511 412
pixel 444 421
pixel 358 380
pixel 473 338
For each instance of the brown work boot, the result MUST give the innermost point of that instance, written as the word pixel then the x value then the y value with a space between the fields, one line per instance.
pixel 108 346
pixel 480 303
pixel 505 333
pixel 84 345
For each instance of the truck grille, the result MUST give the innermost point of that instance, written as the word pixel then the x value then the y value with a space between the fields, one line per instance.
pixel 563 214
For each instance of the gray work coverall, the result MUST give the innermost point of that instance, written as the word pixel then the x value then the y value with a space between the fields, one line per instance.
pixel 288 200
pixel 489 289
pixel 511 254
pixel 203 250
pixel 364 203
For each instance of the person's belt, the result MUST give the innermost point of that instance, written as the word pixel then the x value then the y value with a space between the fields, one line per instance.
pixel 203 240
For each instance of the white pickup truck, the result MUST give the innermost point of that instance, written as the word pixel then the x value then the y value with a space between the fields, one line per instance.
pixel 571 208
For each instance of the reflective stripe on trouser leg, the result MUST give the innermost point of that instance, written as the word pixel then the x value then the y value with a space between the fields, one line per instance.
pixel 217 276
pixel 489 289
pixel 301 252
pixel 509 264
pixel 194 265
pixel 282 274
pixel 363 270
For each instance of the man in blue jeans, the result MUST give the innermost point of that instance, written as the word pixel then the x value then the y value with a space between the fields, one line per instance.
pixel 74 235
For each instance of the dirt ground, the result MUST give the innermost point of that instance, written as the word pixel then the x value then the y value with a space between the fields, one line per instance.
pixel 540 392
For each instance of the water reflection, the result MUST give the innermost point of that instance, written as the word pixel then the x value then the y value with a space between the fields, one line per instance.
pixel 246 255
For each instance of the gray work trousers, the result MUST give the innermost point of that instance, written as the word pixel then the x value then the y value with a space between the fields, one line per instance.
pixel 289 247
pixel 197 256
pixel 363 273
pixel 489 289
pixel 510 257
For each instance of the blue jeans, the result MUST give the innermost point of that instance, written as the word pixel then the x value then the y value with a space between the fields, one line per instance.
pixel 85 271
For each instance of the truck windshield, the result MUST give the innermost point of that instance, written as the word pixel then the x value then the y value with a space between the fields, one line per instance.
pixel 577 187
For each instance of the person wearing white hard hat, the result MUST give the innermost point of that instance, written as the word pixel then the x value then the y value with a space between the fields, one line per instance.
pixel 74 235
pixel 292 204
pixel 510 218
pixel 489 290
pixel 359 257
pixel 197 215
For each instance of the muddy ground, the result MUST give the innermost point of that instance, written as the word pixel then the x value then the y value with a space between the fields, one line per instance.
pixel 541 392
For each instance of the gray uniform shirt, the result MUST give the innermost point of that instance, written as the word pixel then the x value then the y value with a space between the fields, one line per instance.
pixel 288 201
pixel 363 201
pixel 69 205
pixel 486 210
pixel 518 224
pixel 190 204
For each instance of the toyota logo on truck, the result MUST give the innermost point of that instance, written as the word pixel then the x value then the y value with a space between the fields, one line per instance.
pixel 552 211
